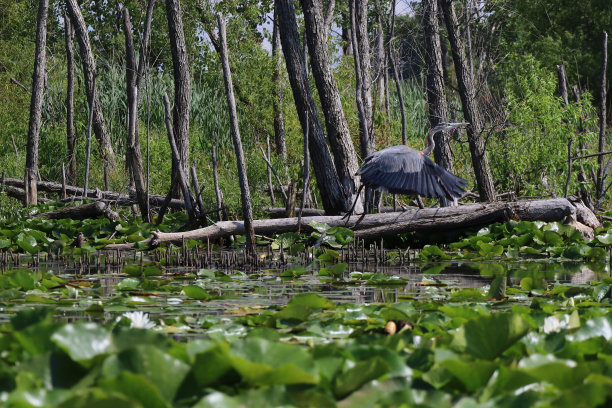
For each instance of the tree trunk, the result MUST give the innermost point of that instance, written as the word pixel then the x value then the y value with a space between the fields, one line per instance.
pixel 183 178
pixel 119 199
pixel 85 211
pixel 146 35
pixel 70 136
pixel 391 224
pixel 89 70
pixel 36 101
pixel 436 95
pixel 182 89
pixel 393 63
pixel 334 200
pixel 471 111
pixel 601 174
pixel 133 156
pixel 279 122
pixel 380 62
pixel 245 194
pixel 345 157
pixel 362 53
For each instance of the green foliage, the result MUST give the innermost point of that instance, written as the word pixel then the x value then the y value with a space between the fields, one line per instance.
pixel 530 154
pixel 317 353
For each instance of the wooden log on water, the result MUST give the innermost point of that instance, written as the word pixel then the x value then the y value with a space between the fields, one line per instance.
pixel 90 210
pixel 386 224
pixel 156 200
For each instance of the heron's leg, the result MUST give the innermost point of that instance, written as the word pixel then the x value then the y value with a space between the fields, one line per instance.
pixel 419 202
pixel 350 212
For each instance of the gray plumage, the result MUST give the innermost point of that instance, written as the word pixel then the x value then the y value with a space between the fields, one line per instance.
pixel 404 170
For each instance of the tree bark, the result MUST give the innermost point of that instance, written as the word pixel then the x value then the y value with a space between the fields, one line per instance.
pixel 182 89
pixel 435 93
pixel 380 62
pixel 334 199
pixel 345 157
pixel 390 224
pixel 245 194
pixel 89 71
pixel 146 35
pixel 601 174
pixel 133 156
pixel 90 210
pixel 393 63
pixel 183 179
pixel 120 199
pixel 279 122
pixel 70 136
pixel 362 53
pixel 471 111
pixel 221 212
pixel 36 101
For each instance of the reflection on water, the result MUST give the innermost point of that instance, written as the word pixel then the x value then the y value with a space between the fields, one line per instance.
pixel 237 293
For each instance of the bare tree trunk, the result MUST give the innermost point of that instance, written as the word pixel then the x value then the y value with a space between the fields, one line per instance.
pixel 601 174
pixel 279 122
pixel 347 35
pixel 270 185
pixel 70 136
pixel 471 110
pixel 334 199
pixel 563 93
pixel 133 156
pixel 345 157
pixel 89 70
pixel 245 194
pixel 380 62
pixel 146 35
pixel 36 101
pixel 362 52
pixel 436 95
pixel 221 212
pixel 393 63
pixel 183 179
pixel 182 89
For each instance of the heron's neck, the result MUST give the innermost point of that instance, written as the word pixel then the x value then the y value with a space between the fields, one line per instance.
pixel 430 144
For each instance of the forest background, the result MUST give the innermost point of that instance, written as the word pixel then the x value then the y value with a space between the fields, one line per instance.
pixel 514 48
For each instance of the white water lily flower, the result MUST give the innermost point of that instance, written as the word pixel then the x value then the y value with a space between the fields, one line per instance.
pixel 554 324
pixel 139 320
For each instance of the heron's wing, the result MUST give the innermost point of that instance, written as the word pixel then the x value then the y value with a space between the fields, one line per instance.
pixel 403 170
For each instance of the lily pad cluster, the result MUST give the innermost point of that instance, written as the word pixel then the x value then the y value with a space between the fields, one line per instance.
pixel 524 240
pixel 39 234
pixel 315 353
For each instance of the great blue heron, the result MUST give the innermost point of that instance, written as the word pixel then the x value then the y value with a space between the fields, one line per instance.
pixel 404 170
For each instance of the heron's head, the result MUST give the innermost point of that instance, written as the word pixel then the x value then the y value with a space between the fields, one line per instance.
pixel 442 126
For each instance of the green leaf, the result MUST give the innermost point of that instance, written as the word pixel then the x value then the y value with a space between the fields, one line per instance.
pixel 433 252
pixel 311 300
pixel 359 374
pixel 196 292
pixel 137 387
pixel 83 341
pixel 22 278
pixel 335 271
pixel 28 243
pixel 165 372
pixel 294 272
pixel 487 337
pixel 128 284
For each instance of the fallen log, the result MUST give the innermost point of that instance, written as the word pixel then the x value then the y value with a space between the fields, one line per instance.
pixel 90 210
pixel 19 194
pixel 155 200
pixel 385 224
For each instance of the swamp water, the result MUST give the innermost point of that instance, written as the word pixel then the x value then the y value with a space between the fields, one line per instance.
pixel 191 294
